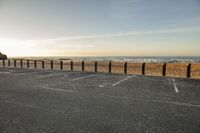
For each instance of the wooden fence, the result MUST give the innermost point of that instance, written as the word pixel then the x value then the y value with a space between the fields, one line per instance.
pixel 150 69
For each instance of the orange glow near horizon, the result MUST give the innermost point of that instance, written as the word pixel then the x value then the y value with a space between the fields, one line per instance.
pixel 18 48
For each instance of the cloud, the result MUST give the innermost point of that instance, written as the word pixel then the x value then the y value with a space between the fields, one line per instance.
pixel 61 42
pixel 121 34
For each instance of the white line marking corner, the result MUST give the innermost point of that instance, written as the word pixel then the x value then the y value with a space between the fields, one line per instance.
pixel 122 80
pixel 175 86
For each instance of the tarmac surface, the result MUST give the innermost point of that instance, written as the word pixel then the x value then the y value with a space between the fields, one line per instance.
pixel 52 101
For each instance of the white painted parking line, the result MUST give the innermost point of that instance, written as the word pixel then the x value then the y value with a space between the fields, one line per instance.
pixel 47 76
pixel 153 100
pixel 84 77
pixel 56 74
pixel 122 80
pixel 101 86
pixel 169 81
pixel 28 73
pixel 5 72
pixel 51 75
pixel 58 89
pixel 21 74
pixel 175 86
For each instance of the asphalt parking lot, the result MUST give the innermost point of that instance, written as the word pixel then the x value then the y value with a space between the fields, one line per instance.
pixel 53 101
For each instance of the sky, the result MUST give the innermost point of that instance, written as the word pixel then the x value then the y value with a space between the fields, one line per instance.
pixel 100 27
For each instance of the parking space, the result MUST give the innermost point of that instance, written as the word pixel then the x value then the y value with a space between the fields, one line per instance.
pixel 66 101
pixel 131 86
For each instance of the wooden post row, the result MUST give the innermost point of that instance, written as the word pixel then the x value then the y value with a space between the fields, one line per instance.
pixel 3 62
pixel 95 66
pixel 35 64
pixel 143 68
pixel 15 63
pixel 61 65
pixel 42 64
pixel 21 63
pixel 189 70
pixel 125 67
pixel 51 64
pixel 72 66
pixel 83 66
pixel 110 67
pixel 164 69
pixel 9 63
pixel 27 63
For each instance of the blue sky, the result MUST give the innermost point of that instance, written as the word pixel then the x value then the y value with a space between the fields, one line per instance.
pixel 100 27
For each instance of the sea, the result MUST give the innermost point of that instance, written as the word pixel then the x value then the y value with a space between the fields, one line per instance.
pixel 147 59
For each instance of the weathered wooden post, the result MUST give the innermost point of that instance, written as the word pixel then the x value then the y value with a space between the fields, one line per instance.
pixel 15 63
pixel 72 66
pixel 95 66
pixel 143 68
pixel 21 63
pixel 35 64
pixel 125 67
pixel 110 67
pixel 9 63
pixel 51 64
pixel 61 65
pixel 42 64
pixel 83 66
pixel 189 70
pixel 164 69
pixel 27 63
pixel 3 62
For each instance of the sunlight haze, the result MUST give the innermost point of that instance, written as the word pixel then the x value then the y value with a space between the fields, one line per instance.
pixel 100 27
